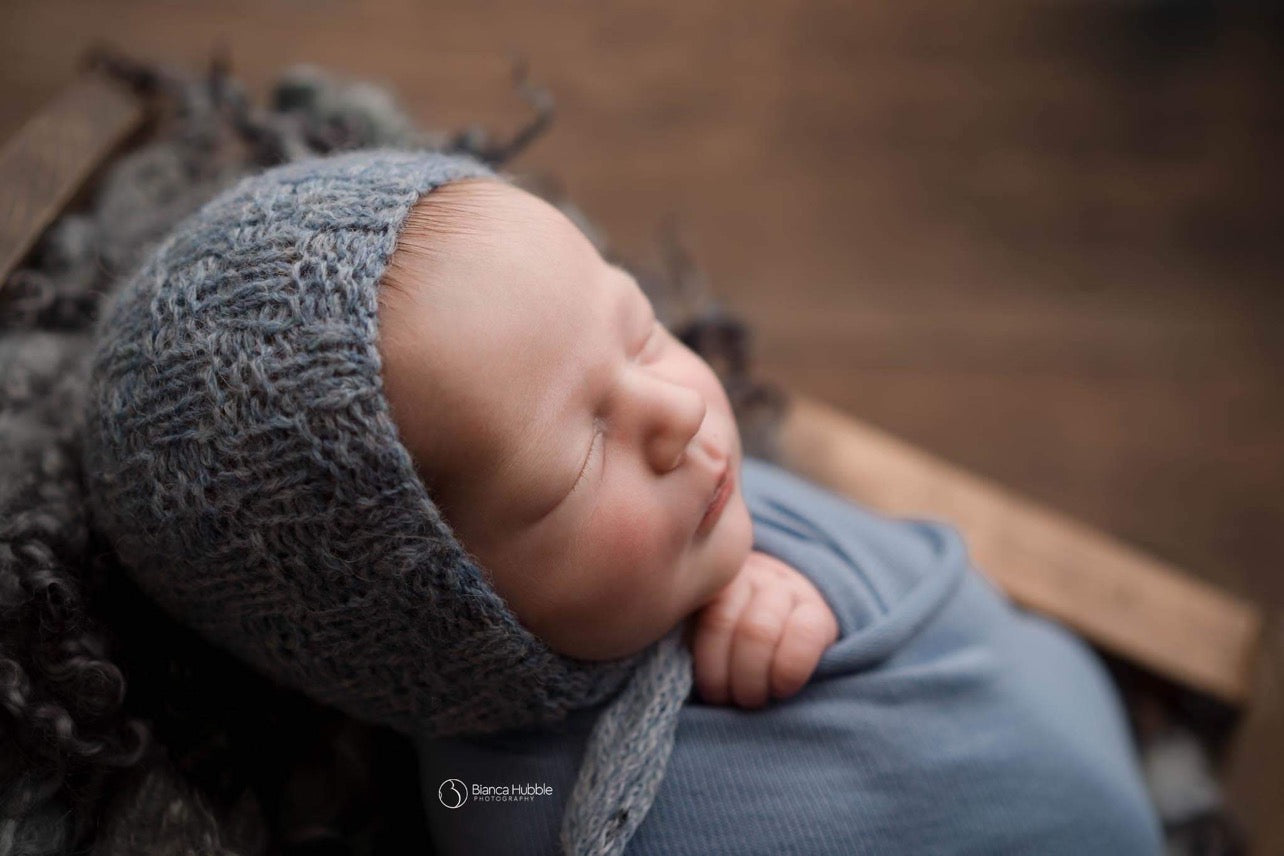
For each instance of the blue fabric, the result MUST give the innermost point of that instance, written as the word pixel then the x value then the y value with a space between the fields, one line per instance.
pixel 943 720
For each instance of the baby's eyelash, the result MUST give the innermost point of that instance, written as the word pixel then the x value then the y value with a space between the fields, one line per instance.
pixel 599 428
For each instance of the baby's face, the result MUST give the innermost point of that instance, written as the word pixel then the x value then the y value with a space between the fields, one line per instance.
pixel 571 443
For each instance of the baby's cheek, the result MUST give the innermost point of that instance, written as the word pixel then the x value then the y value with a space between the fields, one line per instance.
pixel 631 544
pixel 624 534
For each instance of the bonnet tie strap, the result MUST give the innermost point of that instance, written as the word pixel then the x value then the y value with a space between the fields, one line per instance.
pixel 627 753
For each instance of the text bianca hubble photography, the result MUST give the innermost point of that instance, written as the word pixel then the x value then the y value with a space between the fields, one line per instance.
pixel 455 793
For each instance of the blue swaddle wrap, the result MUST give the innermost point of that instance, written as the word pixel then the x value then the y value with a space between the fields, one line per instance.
pixel 943 720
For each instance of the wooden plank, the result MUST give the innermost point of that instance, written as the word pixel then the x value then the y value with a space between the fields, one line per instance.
pixel 1128 603
pixel 50 158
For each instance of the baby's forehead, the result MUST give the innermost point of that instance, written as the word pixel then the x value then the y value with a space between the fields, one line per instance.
pixel 507 328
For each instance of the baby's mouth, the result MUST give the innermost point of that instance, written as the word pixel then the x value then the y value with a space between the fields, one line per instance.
pixel 721 494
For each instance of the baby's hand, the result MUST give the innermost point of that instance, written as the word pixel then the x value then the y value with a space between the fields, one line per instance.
pixel 762 635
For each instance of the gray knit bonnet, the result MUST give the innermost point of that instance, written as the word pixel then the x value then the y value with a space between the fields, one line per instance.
pixel 241 458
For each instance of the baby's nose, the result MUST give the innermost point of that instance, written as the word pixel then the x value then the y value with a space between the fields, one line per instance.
pixel 677 413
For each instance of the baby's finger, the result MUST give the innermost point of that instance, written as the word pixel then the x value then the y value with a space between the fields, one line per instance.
pixel 809 630
pixel 711 643
pixel 754 644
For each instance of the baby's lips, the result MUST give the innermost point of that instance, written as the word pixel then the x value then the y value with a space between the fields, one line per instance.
pixel 717 501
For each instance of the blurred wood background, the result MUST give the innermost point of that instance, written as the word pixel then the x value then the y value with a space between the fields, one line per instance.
pixel 1041 240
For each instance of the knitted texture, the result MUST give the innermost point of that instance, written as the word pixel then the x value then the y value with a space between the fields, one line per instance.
pixel 241 457
pixel 627 754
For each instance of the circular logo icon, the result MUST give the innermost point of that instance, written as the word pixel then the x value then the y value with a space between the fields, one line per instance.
pixel 452 793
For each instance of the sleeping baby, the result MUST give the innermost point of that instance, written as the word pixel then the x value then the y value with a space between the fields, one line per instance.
pixel 391 430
